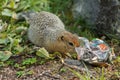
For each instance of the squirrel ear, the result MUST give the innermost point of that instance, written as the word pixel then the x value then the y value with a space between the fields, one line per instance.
pixel 61 38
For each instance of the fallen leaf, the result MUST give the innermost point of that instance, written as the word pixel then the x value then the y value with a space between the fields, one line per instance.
pixel 42 52
pixel 5 55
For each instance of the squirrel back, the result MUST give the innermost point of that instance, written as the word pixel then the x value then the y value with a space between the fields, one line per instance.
pixel 44 28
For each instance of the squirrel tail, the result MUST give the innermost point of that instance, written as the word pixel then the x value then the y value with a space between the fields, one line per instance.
pixel 25 15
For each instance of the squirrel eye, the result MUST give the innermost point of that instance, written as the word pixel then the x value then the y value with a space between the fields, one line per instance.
pixel 70 43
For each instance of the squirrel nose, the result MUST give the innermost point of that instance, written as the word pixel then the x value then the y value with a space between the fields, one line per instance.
pixel 77 44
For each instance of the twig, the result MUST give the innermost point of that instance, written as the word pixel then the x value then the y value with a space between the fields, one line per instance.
pixel 48 74
pixel 72 66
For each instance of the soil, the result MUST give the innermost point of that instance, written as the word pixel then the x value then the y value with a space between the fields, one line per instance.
pixel 54 70
pixel 47 71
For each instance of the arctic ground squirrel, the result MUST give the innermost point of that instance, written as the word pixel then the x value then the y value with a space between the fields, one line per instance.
pixel 48 31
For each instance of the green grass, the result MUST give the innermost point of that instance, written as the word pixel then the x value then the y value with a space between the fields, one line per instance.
pixel 88 76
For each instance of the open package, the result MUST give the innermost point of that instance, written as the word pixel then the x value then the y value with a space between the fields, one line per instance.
pixel 95 52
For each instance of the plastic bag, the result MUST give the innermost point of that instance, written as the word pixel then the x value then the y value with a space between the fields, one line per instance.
pixel 94 52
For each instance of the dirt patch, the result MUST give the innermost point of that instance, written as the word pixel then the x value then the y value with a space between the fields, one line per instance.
pixel 54 70
pixel 47 71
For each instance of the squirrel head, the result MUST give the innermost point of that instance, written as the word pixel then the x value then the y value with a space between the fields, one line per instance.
pixel 69 41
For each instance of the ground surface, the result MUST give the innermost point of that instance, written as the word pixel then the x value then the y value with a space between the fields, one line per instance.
pixel 47 71
pixel 54 70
